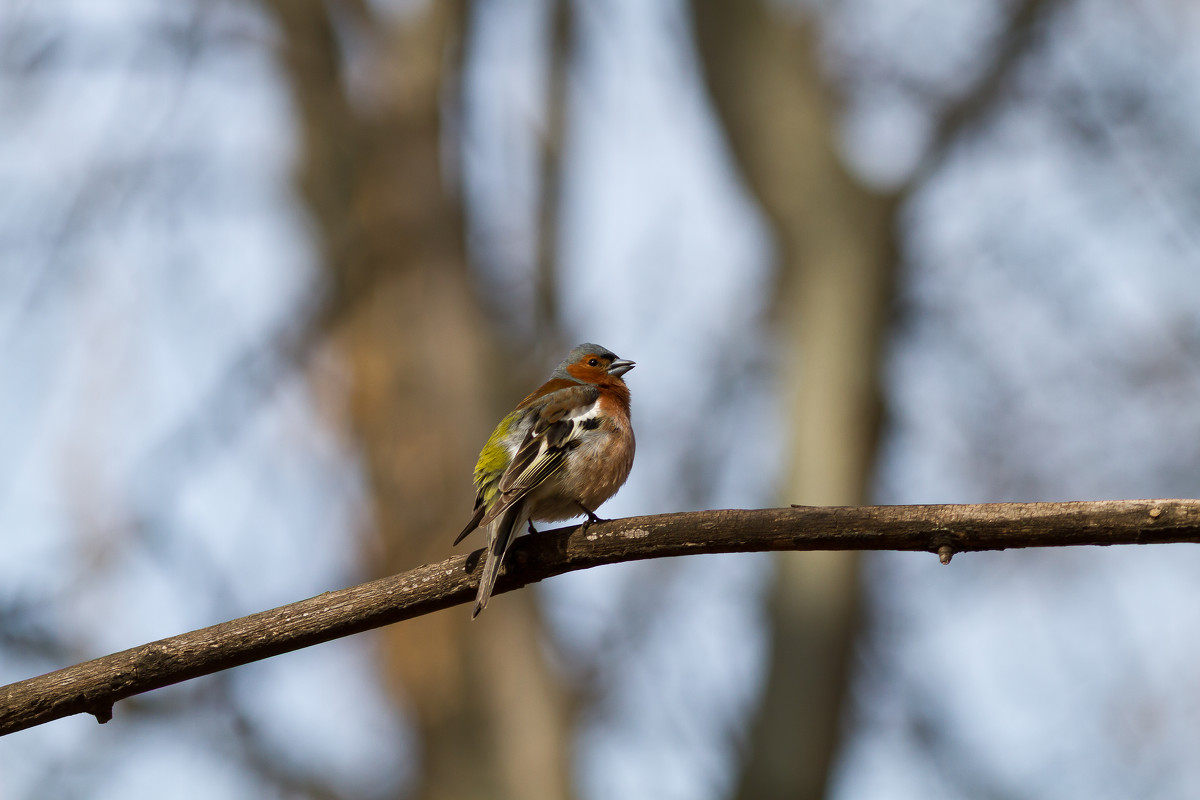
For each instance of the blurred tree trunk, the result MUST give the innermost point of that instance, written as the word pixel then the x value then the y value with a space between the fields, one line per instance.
pixel 836 255
pixel 426 384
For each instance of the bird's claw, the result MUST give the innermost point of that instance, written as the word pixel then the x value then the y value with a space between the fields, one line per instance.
pixel 591 517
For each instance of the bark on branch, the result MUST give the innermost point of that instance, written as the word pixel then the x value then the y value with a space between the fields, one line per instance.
pixel 94 686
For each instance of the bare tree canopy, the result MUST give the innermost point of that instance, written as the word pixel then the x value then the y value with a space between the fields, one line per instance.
pixel 272 270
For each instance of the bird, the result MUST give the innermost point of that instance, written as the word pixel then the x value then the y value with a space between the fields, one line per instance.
pixel 564 450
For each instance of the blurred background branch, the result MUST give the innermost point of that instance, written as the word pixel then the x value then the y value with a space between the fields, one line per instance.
pixel 272 271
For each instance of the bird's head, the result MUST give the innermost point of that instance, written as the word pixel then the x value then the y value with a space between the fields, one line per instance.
pixel 591 363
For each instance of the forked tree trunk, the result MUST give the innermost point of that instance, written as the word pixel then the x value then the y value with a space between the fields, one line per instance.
pixel 834 241
pixel 425 382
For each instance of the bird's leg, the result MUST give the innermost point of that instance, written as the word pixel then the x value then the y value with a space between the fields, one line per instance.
pixel 531 528
pixel 591 517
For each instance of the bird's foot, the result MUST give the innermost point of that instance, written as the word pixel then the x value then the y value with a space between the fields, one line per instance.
pixel 591 517
pixel 531 528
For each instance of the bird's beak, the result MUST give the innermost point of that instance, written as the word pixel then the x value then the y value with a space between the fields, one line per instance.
pixel 620 367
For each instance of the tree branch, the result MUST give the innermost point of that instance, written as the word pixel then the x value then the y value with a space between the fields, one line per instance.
pixel 1018 39
pixel 94 686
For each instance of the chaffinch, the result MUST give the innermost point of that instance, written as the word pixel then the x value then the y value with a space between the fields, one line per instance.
pixel 565 449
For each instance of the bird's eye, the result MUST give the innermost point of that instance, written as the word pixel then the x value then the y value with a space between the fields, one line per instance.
pixel 593 362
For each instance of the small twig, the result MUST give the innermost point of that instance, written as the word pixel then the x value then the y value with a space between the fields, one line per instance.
pixel 94 686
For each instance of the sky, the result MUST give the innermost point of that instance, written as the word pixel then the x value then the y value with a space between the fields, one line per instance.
pixel 1044 347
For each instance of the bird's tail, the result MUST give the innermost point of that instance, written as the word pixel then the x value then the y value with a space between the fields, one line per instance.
pixel 501 532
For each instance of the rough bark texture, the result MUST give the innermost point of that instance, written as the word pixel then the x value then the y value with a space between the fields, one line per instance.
pixel 94 686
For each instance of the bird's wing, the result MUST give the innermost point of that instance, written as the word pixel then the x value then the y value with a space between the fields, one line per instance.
pixel 476 518
pixel 558 422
